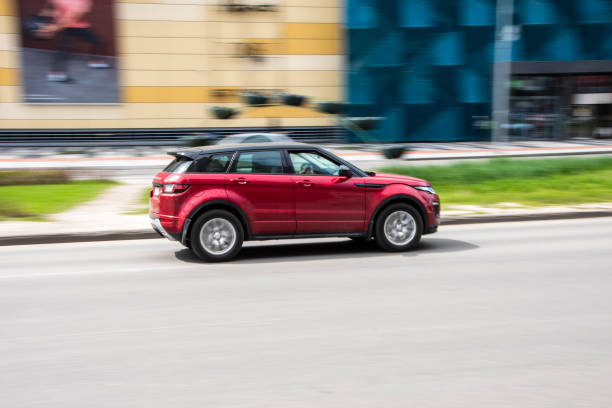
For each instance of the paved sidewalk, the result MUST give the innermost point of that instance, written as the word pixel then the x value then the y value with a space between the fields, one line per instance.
pixel 464 214
pixel 107 215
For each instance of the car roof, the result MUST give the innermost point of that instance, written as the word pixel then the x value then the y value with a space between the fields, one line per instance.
pixel 196 151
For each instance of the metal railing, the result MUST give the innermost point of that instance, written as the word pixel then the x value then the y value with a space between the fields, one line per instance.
pixel 152 137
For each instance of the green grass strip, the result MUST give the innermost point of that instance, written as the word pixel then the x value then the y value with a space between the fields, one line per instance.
pixel 496 169
pixel 531 182
pixel 37 201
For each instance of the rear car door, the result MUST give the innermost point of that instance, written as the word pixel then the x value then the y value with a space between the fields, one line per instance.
pixel 325 202
pixel 259 183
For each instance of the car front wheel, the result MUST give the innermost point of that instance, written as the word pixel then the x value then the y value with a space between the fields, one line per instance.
pixel 217 236
pixel 398 228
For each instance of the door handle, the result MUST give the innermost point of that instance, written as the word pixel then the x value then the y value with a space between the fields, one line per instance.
pixel 240 180
pixel 305 183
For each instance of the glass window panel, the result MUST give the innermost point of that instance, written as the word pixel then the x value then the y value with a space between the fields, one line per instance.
pixel 264 162
pixel 311 163
pixel 216 163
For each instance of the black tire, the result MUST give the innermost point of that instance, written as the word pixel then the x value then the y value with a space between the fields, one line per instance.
pixel 412 240
pixel 198 247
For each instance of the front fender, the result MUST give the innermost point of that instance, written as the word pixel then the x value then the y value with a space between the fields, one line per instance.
pixel 377 199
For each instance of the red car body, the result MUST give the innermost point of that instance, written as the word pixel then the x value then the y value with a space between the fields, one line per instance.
pixel 286 204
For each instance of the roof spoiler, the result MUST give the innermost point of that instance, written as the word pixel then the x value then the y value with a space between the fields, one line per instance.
pixel 186 154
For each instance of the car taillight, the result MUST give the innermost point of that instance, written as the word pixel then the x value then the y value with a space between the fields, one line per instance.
pixel 175 188
pixel 157 187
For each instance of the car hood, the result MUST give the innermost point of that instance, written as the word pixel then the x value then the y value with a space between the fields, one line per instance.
pixel 386 178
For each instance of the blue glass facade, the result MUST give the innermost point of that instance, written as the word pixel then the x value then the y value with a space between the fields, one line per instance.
pixel 426 65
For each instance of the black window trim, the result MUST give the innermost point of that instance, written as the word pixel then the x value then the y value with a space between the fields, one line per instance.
pixel 329 156
pixel 232 161
pixel 231 169
pixel 287 166
pixel 208 154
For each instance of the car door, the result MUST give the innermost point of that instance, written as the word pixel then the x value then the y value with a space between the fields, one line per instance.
pixel 260 184
pixel 325 202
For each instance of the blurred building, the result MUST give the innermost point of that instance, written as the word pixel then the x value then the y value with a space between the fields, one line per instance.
pixel 426 66
pixel 176 59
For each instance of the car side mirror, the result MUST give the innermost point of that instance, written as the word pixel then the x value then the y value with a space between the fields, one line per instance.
pixel 345 172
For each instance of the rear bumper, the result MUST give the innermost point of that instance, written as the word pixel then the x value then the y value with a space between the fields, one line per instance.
pixel 158 227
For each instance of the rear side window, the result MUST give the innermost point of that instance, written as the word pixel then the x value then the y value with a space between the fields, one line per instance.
pixel 264 162
pixel 215 163
pixel 179 165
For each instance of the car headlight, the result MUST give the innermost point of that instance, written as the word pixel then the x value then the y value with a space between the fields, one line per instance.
pixel 427 189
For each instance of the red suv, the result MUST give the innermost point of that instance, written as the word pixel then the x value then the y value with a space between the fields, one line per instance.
pixel 213 198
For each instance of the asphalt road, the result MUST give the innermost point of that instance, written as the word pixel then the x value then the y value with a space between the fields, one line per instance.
pixel 494 315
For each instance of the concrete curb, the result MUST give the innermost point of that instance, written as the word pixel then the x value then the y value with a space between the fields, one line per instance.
pixel 150 234
pixel 566 215
pixel 77 237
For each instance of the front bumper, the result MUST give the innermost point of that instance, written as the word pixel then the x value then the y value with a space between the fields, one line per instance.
pixel 434 221
pixel 436 206
pixel 431 230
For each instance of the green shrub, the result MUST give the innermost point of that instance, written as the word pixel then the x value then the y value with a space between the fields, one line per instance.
pixel 11 210
pixel 38 201
pixel 526 181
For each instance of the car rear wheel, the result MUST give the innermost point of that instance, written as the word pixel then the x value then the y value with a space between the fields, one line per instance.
pixel 217 236
pixel 398 228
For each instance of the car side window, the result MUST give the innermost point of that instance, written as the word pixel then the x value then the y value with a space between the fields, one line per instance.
pixel 262 162
pixel 215 163
pixel 313 163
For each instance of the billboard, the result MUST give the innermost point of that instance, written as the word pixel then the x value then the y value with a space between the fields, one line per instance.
pixel 68 52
